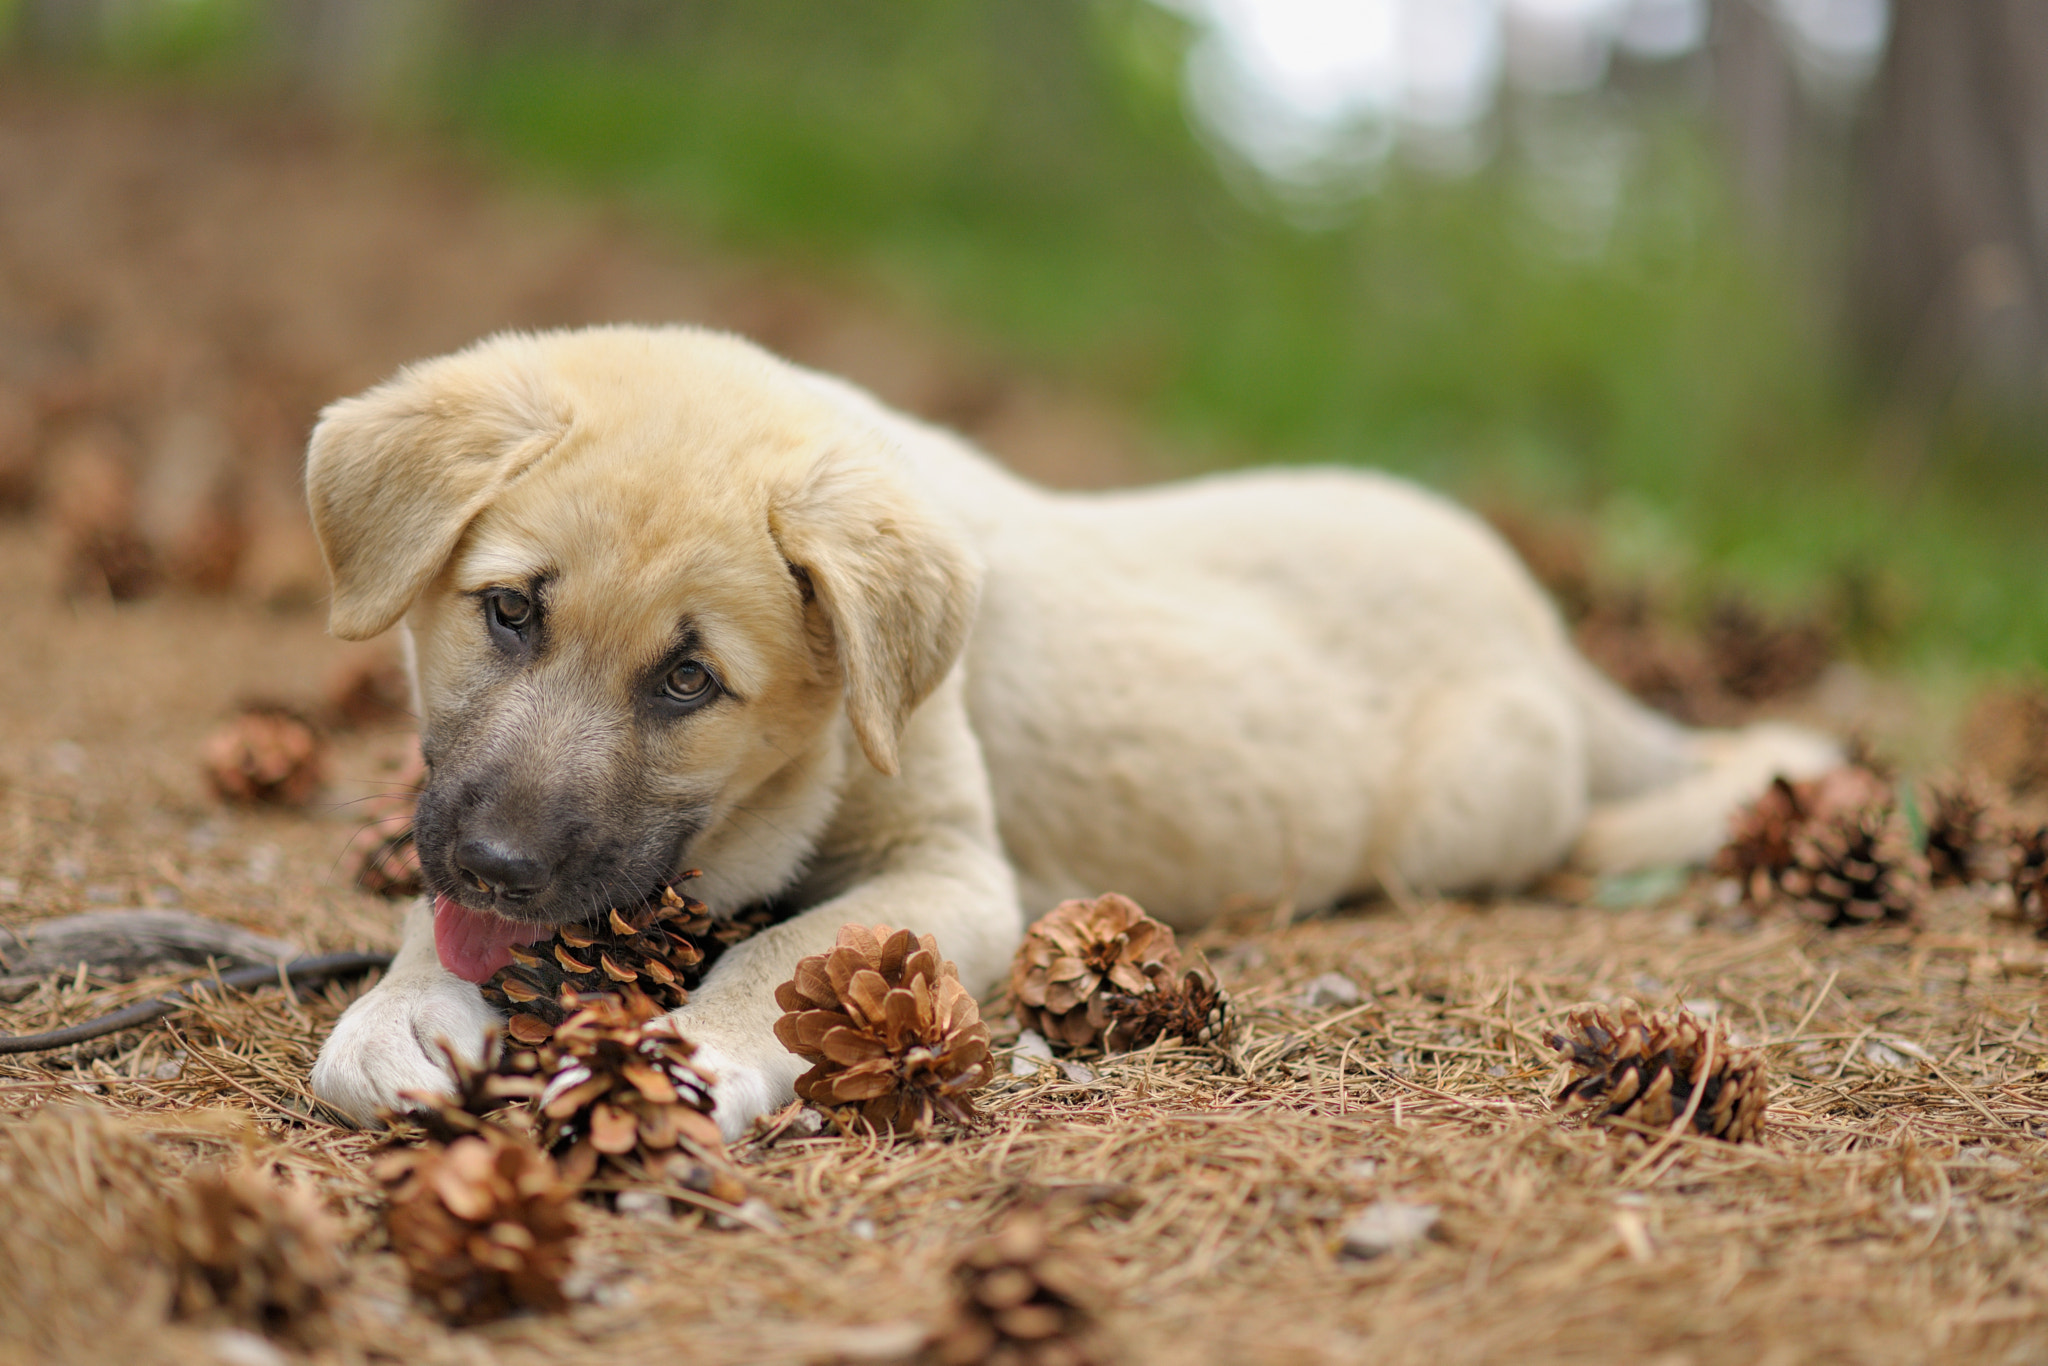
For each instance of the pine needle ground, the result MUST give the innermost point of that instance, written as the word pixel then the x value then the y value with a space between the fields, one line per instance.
pixel 1894 1211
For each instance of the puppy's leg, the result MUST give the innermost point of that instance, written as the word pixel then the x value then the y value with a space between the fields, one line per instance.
pixel 386 1043
pixel 918 851
pixel 1687 820
pixel 962 896
pixel 1491 791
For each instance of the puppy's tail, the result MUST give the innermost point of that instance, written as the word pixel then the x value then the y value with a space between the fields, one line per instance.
pixel 1663 794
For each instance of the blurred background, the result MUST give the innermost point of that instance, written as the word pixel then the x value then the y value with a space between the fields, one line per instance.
pixel 1732 313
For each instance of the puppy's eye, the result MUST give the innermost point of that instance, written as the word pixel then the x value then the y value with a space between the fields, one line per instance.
pixel 689 683
pixel 510 610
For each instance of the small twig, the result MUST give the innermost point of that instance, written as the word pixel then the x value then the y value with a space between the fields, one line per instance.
pixel 1973 1102
pixel 192 1052
pixel 1807 1018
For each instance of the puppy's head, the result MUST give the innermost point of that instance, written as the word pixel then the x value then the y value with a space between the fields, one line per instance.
pixel 646 573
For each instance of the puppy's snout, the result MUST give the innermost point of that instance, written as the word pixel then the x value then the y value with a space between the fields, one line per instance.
pixel 502 866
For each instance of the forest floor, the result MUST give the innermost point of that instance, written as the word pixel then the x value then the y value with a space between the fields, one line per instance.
pixel 181 286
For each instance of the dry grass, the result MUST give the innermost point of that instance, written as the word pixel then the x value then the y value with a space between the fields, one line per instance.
pixel 1894 1212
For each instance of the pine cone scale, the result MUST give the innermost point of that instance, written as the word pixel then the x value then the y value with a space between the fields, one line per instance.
pixel 613 1132
pixel 1063 996
pixel 815 984
pixel 803 1029
pixel 1130 979
pixel 895 954
pixel 901 1011
pixel 867 994
pixel 851 1047
pixel 841 964
pixel 574 1095
pixel 649 1082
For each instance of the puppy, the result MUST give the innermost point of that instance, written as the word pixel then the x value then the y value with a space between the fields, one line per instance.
pixel 670 602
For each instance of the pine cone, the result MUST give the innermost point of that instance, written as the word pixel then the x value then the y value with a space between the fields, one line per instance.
pixel 1078 956
pixel 1763 837
pixel 2006 735
pixel 1756 658
pixel 1643 1070
pixel 660 949
pixel 1629 639
pixel 385 859
pixel 251 1252
pixel 2027 871
pixel 886 1027
pixel 483 1224
pixel 1015 1306
pixel 388 865
pixel 623 1095
pixel 515 1075
pixel 1854 871
pixel 266 754
pixel 367 690
pixel 1195 1008
pixel 1760 839
pixel 1956 835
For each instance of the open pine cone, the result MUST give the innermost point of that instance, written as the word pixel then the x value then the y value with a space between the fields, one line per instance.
pixel 483 1224
pixel 1957 833
pixel 660 949
pixel 1103 973
pixel 1194 1008
pixel 1855 870
pixel 514 1075
pixel 251 1252
pixel 1643 1070
pixel 887 1028
pixel 2027 872
pixel 1016 1305
pixel 267 754
pixel 1760 837
pixel 1763 837
pixel 623 1095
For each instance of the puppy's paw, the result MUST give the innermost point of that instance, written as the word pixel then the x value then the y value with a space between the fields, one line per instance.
pixel 387 1044
pixel 744 1089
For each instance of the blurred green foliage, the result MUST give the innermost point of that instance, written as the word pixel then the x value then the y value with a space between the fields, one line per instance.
pixel 1025 169
pixel 185 39
pixel 1029 169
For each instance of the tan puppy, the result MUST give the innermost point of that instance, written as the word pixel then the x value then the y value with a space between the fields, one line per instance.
pixel 671 602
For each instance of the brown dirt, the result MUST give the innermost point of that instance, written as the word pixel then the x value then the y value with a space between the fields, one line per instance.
pixel 182 287
pixel 1897 1210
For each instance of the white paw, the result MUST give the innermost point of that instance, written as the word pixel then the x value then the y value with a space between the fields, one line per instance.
pixel 386 1045
pixel 743 1089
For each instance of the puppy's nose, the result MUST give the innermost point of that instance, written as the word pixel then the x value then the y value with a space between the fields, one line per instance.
pixel 499 867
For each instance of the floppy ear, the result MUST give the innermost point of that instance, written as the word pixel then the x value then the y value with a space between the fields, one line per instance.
pixel 395 474
pixel 896 585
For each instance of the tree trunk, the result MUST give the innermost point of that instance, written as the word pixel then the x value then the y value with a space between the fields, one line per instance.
pixel 1756 95
pixel 1953 253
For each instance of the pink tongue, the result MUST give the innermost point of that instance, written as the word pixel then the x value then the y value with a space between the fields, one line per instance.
pixel 475 944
